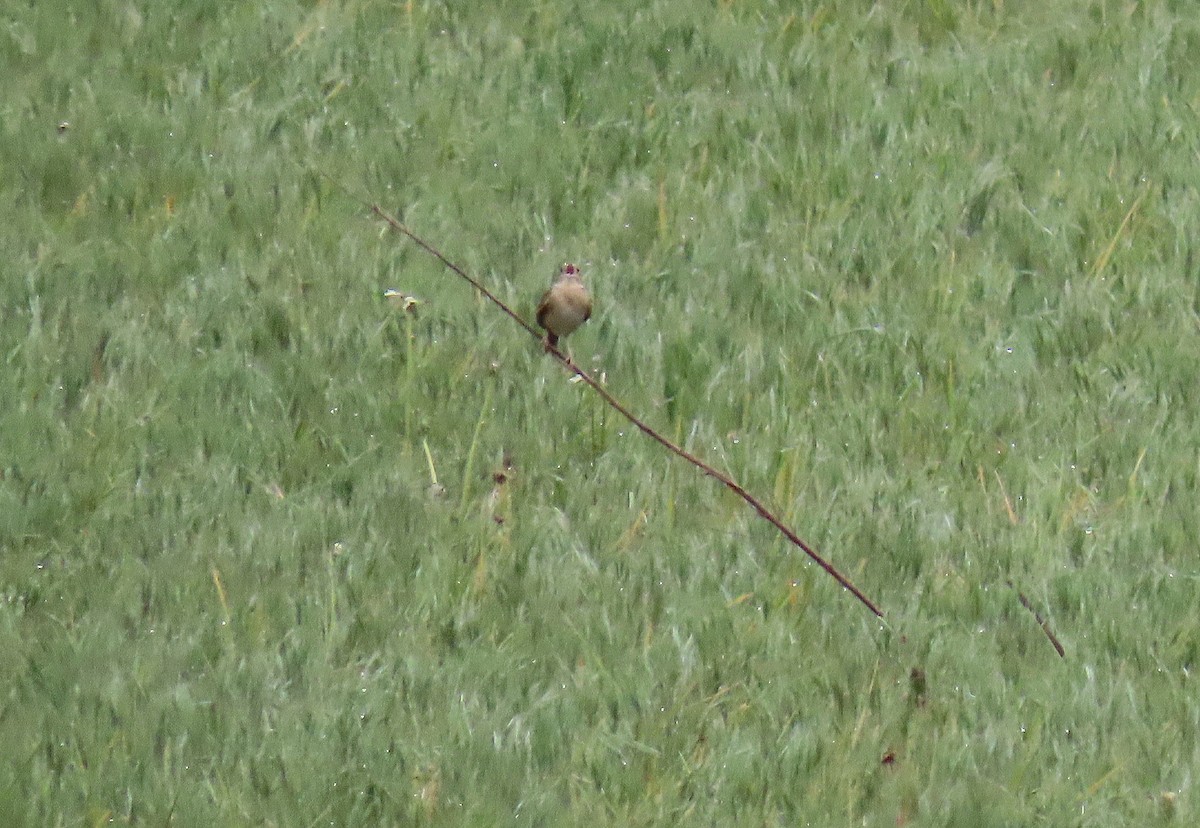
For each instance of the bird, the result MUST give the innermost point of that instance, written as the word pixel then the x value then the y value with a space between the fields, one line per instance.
pixel 565 306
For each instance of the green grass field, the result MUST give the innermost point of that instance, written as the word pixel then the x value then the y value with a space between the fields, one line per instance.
pixel 923 275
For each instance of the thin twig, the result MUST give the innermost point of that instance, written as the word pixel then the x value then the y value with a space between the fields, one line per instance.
pixel 1045 625
pixel 733 486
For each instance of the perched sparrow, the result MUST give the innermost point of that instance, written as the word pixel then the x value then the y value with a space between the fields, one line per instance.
pixel 565 306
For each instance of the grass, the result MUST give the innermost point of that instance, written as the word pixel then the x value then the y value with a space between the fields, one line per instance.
pixel 921 275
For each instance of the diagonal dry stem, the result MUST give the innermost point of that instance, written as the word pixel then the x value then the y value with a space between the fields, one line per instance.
pixel 1042 622
pixel 723 478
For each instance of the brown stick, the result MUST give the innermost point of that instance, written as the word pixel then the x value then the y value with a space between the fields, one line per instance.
pixel 1042 622
pixel 732 485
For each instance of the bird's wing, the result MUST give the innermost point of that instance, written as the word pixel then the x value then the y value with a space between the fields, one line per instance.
pixel 543 308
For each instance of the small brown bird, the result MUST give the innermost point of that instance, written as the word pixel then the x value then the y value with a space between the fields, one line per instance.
pixel 565 306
